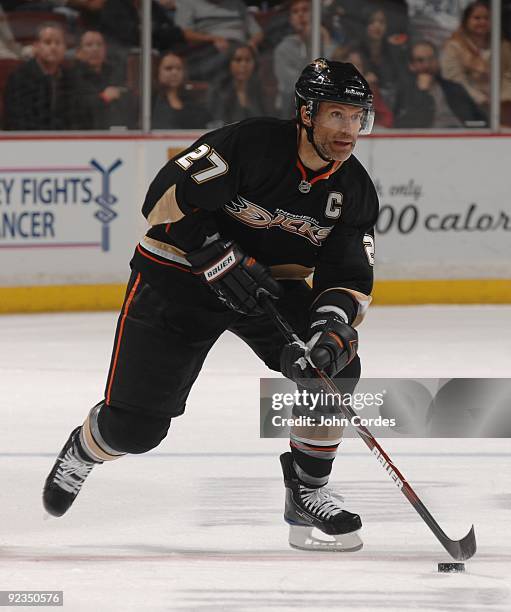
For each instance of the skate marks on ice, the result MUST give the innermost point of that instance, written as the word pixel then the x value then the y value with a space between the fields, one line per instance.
pixel 228 551
pixel 149 553
pixel 209 543
pixel 215 525
pixel 144 537
pixel 226 501
pixel 462 599
pixel 299 584
pixel 256 580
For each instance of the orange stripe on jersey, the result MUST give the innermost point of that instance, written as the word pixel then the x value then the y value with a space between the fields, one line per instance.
pixel 324 176
pixel 163 263
pixel 119 338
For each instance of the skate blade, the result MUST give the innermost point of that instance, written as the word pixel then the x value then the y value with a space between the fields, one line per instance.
pixel 310 538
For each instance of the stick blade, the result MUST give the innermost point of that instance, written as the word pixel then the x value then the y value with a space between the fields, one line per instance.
pixel 462 549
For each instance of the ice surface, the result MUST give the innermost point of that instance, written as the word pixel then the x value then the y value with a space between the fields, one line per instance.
pixel 197 523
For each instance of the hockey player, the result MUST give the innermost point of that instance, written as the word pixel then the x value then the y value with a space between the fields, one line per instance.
pixel 252 207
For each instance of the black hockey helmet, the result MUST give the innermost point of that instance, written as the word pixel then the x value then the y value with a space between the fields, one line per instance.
pixel 327 81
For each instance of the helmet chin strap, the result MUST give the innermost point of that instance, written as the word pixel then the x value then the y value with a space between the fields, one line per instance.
pixel 309 130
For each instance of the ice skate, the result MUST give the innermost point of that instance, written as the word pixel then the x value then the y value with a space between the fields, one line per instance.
pixel 310 510
pixel 67 476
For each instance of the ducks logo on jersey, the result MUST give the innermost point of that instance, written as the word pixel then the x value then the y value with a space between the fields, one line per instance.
pixel 255 216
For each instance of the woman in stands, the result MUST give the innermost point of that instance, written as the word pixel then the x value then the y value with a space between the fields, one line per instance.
pixel 466 59
pixel 109 102
pixel 173 106
pixel 239 96
pixel 385 60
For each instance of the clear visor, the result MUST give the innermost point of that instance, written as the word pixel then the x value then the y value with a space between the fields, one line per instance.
pixel 355 119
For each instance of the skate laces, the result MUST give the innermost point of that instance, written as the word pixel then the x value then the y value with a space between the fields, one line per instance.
pixel 323 501
pixel 72 472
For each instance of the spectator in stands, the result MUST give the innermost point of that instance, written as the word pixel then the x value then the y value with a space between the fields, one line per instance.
pixel 9 48
pixel 433 20
pixel 345 19
pixel 293 52
pixel 212 28
pixel 173 106
pixel 120 23
pixel 239 96
pixel 342 19
pixel 29 5
pixel 398 22
pixel 87 10
pixel 264 5
pixel 42 94
pixel 466 59
pixel 275 25
pixel 87 13
pixel 108 102
pixel 385 60
pixel 430 101
pixel 383 114
pixel 169 6
pixel 506 19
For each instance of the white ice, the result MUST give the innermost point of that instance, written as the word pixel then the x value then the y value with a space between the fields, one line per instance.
pixel 197 525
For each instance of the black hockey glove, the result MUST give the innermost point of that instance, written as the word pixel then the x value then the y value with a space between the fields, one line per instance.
pixel 236 278
pixel 331 346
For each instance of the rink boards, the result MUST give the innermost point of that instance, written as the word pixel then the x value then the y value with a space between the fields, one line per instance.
pixel 70 217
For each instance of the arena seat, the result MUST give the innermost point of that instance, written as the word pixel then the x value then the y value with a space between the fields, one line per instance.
pixel 6 67
pixel 24 24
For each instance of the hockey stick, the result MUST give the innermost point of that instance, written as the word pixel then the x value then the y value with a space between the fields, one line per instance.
pixel 458 549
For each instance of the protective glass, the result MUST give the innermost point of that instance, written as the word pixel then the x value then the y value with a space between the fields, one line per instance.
pixel 360 118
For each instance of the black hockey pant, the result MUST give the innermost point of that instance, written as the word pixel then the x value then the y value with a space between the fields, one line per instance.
pixel 161 343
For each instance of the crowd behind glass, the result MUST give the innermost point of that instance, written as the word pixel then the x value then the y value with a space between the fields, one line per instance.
pixel 75 64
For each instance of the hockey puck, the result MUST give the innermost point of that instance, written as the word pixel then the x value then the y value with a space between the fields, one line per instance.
pixel 451 567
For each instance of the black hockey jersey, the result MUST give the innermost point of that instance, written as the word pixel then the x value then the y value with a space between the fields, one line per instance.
pixel 246 182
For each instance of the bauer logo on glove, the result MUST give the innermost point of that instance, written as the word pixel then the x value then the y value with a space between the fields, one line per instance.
pixel 236 278
pixel 222 267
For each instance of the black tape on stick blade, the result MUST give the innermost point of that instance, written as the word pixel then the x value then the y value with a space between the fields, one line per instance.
pixel 451 567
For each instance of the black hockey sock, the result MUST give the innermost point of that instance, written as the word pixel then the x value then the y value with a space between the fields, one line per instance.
pixel 313 459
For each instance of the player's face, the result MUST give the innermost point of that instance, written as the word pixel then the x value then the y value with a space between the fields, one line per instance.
pixel 50 48
pixel 93 49
pixel 336 129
